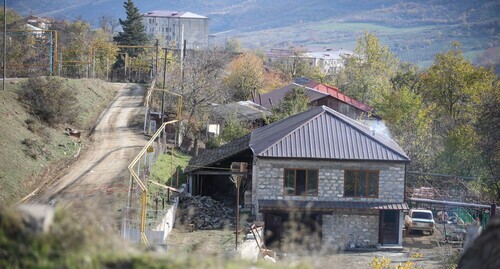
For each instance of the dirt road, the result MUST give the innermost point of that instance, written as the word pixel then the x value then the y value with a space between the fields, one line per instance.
pixel 98 180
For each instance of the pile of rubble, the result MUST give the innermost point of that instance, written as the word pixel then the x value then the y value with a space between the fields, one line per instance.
pixel 203 213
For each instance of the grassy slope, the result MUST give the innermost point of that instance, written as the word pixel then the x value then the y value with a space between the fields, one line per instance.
pixel 18 171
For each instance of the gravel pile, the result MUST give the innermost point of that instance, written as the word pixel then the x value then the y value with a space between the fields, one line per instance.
pixel 203 213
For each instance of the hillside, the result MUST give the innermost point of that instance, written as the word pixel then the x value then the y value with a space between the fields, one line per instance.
pixel 31 148
pixel 414 30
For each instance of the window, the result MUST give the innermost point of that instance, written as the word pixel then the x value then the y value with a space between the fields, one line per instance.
pixel 301 182
pixel 361 184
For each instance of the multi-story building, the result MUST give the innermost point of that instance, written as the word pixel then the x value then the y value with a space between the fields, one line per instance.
pixel 170 27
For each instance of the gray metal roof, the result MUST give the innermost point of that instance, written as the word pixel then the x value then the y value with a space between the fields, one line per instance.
pixel 209 157
pixel 242 110
pixel 275 97
pixel 269 205
pixel 324 134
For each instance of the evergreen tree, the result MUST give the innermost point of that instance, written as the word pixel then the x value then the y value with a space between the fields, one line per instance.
pixel 133 32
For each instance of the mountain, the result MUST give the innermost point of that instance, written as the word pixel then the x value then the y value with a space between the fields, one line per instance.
pixel 414 30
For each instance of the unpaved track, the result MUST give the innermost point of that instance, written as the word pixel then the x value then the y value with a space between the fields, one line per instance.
pixel 97 182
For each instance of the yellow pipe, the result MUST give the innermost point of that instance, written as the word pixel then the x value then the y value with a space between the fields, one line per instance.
pixel 141 184
pixel 164 186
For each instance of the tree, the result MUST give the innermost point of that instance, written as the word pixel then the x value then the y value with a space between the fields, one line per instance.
pixel 104 52
pixel 201 84
pixel 108 23
pixel 294 102
pixel 369 70
pixel 133 32
pixel 233 45
pixel 293 64
pixel 75 41
pixel 488 131
pixel 454 84
pixel 410 123
pixel 246 76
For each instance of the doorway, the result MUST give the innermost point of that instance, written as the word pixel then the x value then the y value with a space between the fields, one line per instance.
pixel 389 227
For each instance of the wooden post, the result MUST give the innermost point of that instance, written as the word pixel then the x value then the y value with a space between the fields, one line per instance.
pixel 238 181
pixel 177 176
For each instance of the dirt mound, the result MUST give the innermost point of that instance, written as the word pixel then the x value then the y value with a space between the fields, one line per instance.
pixel 203 213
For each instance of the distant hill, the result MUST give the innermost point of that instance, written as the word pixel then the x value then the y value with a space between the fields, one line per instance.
pixel 419 28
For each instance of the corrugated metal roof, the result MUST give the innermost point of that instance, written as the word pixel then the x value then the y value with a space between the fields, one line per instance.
pixel 333 92
pixel 323 133
pixel 275 97
pixel 327 205
pixel 212 156
pixel 243 110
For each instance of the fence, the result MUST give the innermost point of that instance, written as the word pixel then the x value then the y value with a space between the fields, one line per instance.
pixel 46 53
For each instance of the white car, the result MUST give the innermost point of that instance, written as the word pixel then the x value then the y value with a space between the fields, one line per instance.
pixel 420 220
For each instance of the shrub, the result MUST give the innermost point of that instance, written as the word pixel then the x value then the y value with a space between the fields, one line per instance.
pixel 50 100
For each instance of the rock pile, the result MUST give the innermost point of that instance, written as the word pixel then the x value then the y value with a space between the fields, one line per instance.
pixel 203 213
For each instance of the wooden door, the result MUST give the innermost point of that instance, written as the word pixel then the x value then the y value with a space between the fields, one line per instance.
pixel 389 227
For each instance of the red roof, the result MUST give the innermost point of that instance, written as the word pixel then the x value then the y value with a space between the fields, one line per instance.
pixel 333 92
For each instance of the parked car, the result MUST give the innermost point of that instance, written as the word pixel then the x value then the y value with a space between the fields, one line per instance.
pixel 420 220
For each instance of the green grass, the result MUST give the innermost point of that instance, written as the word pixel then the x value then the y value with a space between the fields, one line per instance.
pixel 163 172
pixel 29 147
pixel 164 168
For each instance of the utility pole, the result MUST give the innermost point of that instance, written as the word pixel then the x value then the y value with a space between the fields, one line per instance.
pixel 163 93
pixel 4 43
pixel 156 58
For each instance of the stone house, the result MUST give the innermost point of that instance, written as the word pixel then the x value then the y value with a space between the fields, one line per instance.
pixel 341 181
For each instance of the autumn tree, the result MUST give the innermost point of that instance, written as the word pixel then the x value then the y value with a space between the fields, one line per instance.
pixel 453 83
pixel 104 53
pixel 369 70
pixel 75 41
pixel 246 76
pixel 458 89
pixel 201 85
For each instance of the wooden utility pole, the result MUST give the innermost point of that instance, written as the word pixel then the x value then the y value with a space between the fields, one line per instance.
pixel 242 168
pixel 4 43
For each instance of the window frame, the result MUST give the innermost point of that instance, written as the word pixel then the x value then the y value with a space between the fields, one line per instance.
pixel 367 183
pixel 285 193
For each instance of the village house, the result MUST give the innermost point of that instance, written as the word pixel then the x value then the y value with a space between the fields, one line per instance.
pixel 321 94
pixel 340 180
pixel 172 27
pixel 247 112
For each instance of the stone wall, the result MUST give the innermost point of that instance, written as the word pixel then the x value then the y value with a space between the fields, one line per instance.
pixel 269 173
pixel 345 227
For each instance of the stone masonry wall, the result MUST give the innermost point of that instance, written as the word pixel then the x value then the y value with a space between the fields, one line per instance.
pixel 269 181
pixel 345 227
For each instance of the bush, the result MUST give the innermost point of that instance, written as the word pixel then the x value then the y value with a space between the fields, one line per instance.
pixel 49 100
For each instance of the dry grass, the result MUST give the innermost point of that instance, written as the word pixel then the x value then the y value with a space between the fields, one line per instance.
pixel 28 147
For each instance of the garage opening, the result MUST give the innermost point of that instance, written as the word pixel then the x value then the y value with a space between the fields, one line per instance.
pixel 293 231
